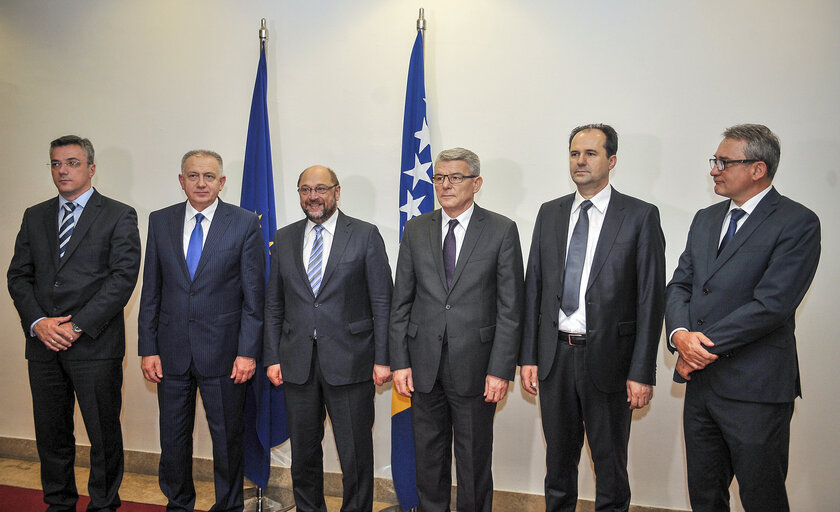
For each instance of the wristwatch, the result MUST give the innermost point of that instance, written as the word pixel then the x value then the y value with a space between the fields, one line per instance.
pixel 77 329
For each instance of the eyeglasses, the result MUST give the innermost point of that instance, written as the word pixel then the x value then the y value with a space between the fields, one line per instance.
pixel 455 179
pixel 73 164
pixel 721 164
pixel 209 177
pixel 320 190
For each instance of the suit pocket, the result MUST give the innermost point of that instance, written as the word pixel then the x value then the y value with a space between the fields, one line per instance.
pixel 411 331
pixel 360 326
pixel 486 334
pixel 626 328
pixel 287 327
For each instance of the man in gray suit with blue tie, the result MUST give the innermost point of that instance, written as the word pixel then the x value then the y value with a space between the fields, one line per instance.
pixel 200 326
pixel 456 324
pixel 730 315
pixel 326 338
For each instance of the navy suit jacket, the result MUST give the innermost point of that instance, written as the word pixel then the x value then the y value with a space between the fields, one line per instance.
pixel 93 281
pixel 481 312
pixel 218 315
pixel 745 299
pixel 350 311
pixel 625 294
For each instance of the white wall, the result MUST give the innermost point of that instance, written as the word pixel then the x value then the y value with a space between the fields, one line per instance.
pixel 148 80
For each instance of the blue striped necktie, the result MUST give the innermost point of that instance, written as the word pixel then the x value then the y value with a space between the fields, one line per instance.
pixel 313 271
pixel 194 246
pixel 68 222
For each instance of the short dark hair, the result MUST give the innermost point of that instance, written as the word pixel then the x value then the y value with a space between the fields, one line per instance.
pixel 762 144
pixel 74 140
pixel 611 144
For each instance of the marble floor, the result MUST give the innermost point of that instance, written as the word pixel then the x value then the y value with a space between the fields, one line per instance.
pixel 135 487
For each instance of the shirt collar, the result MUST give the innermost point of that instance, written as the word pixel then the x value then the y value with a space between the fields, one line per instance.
pixel 600 201
pixel 329 224
pixel 750 204
pixel 463 219
pixel 207 212
pixel 80 201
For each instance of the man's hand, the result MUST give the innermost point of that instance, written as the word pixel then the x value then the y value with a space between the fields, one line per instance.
pixel 53 334
pixel 274 374
pixel 528 376
pixel 403 382
pixel 243 369
pixel 684 369
pixel 692 348
pixel 381 374
pixel 638 394
pixel 151 368
pixel 495 388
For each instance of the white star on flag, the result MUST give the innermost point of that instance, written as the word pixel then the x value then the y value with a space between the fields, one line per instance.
pixel 412 206
pixel 424 136
pixel 420 171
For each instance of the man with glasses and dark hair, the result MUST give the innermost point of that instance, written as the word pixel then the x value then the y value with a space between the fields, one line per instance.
pixel 326 338
pixel 730 316
pixel 595 288
pixel 200 327
pixel 456 323
pixel 74 268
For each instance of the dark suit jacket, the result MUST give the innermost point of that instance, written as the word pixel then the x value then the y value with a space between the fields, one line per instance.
pixel 218 315
pixel 93 281
pixel 625 294
pixel 350 311
pixel 745 299
pixel 481 312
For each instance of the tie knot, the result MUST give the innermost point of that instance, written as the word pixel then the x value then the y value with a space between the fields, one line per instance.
pixel 737 213
pixel 198 218
pixel 69 207
pixel 318 228
pixel 452 224
pixel 584 206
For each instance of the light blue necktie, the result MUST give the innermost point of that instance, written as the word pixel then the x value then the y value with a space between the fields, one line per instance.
pixel 68 222
pixel 313 271
pixel 194 247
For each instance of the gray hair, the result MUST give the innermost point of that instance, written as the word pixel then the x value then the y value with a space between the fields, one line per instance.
pixel 465 155
pixel 203 152
pixel 333 176
pixel 73 140
pixel 762 144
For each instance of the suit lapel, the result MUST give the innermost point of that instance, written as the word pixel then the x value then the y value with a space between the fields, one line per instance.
pixel 609 230
pixel 218 227
pixel 476 226
pixel 561 234
pixel 343 230
pixel 713 233
pixel 436 244
pixel 51 229
pixel 176 237
pixel 298 237
pixel 89 213
pixel 762 210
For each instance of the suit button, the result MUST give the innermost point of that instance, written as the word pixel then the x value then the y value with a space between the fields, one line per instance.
pixel 706 291
pixel 192 320
pixel 317 305
pixel 57 284
pixel 700 322
pixel 448 306
pixel 559 297
pixel 192 294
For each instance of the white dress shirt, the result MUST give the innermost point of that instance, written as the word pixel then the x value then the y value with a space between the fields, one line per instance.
pixel 327 234
pixel 576 322
pixel 189 222
pixel 460 230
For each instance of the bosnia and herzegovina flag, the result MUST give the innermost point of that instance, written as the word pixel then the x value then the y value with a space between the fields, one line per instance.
pixel 265 424
pixel 416 197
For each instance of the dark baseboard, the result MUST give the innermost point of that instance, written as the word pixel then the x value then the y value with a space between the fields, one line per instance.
pixel 147 463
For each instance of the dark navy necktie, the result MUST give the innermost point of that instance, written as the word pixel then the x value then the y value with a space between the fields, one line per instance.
pixel 736 215
pixel 68 222
pixel 449 252
pixel 575 260
pixel 194 247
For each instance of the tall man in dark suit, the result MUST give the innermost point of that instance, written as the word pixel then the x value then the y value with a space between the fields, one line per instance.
pixel 455 332
pixel 75 265
pixel 200 326
pixel 731 315
pixel 326 328
pixel 595 288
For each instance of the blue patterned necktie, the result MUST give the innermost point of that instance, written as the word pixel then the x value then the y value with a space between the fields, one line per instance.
pixel 313 271
pixel 194 247
pixel 736 215
pixel 68 222
pixel 575 260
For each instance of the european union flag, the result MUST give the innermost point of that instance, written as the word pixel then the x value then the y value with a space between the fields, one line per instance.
pixel 265 407
pixel 416 198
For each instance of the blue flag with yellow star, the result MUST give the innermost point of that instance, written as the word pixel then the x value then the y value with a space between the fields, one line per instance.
pixel 265 424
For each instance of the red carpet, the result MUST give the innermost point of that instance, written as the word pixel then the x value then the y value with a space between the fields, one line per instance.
pixel 18 499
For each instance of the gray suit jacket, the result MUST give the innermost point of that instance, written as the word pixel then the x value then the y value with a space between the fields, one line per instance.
pixel 350 311
pixel 745 299
pixel 625 295
pixel 481 312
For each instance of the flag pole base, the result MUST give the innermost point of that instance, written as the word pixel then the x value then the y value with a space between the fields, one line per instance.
pixel 270 499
